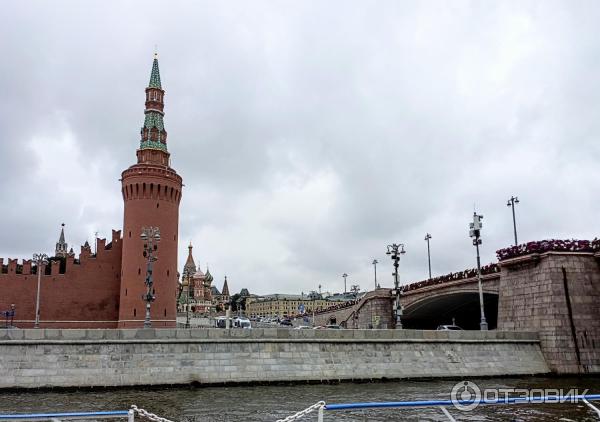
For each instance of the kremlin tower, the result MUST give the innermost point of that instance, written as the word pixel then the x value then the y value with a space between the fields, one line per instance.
pixel 151 194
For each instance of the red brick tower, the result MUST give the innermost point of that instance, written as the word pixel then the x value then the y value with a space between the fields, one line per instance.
pixel 151 192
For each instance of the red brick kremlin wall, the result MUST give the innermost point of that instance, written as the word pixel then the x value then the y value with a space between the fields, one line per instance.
pixel 85 296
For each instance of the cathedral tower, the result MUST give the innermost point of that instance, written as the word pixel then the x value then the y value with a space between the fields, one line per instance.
pixel 151 193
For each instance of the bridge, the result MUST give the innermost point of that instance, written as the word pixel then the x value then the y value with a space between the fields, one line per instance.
pixel 552 287
pixel 448 299
pixel 451 302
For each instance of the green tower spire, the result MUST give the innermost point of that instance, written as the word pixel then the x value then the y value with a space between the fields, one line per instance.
pixel 155 74
pixel 153 133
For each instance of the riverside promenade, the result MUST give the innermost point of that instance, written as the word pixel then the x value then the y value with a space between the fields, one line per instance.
pixel 127 357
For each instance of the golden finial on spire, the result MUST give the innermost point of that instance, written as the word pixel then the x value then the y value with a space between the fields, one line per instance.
pixel 155 51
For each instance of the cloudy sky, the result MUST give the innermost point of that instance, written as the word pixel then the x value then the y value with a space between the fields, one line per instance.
pixel 309 134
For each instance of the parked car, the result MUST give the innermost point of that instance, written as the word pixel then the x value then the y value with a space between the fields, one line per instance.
pixel 448 327
pixel 221 322
pixel 302 327
pixel 243 323
pixel 286 321
pixel 333 327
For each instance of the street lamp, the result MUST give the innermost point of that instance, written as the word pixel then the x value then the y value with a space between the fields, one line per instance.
pixel 150 236
pixel 511 203
pixel 475 233
pixel 40 259
pixel 375 262
pixel 427 237
pixel 187 277
pixel 344 275
pixel 395 250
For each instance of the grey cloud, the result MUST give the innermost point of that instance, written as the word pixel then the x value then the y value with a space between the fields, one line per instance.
pixel 309 135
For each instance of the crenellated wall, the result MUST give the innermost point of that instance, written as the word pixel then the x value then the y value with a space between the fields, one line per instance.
pixel 86 295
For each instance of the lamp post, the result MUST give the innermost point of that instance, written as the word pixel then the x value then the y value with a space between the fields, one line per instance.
pixel 186 276
pixel 150 236
pixel 344 275
pixel 475 233
pixel 395 250
pixel 375 262
pixel 511 203
pixel 427 237
pixel 40 259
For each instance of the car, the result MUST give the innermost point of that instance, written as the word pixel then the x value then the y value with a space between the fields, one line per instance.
pixel 333 327
pixel 449 328
pixel 244 323
pixel 302 327
pixel 286 321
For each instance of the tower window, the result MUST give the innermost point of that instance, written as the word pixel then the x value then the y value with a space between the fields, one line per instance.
pixel 165 311
pixel 129 234
pixel 125 292
pixel 139 271
pixel 157 205
pixel 167 273
pixel 134 312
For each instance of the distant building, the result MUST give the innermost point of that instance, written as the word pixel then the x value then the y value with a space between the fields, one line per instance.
pixel 281 305
pixel 196 290
pixel 221 299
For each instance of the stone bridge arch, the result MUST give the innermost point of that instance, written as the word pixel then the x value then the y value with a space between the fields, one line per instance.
pixel 457 302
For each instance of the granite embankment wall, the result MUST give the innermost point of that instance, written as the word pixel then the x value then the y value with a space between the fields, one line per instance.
pixel 67 358
pixel 558 296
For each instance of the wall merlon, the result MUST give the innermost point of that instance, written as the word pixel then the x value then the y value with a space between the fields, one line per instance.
pixel 100 246
pixel 54 268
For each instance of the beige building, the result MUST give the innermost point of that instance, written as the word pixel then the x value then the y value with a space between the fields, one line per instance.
pixel 282 305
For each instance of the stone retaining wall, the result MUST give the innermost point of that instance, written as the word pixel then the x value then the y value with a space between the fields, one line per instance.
pixel 558 296
pixel 67 358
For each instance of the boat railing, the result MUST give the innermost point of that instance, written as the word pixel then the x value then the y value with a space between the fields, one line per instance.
pixel 65 416
pixel 113 414
pixel 321 407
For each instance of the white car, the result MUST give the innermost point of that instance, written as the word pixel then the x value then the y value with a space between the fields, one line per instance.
pixel 244 323
pixel 449 328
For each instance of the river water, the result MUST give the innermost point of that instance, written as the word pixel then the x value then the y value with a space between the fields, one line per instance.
pixel 269 403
